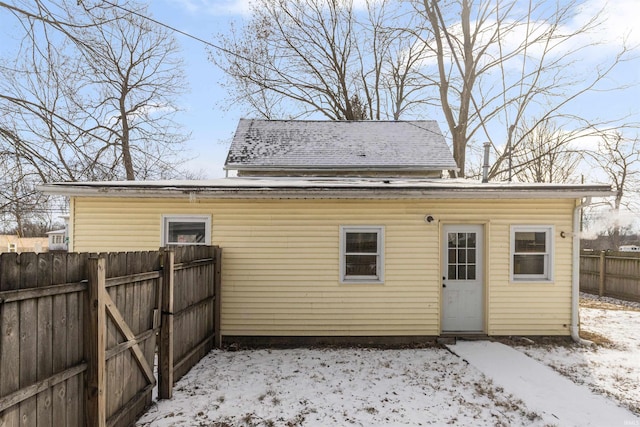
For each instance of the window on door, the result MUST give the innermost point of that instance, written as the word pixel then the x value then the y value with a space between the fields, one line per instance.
pixel 531 253
pixel 361 254
pixel 461 262
pixel 186 230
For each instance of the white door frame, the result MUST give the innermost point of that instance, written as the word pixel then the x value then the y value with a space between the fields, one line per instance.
pixel 463 307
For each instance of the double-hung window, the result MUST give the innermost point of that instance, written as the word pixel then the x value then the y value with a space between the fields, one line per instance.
pixel 362 254
pixel 531 253
pixel 186 230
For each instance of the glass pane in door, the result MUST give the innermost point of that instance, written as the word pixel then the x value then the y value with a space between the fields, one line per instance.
pixel 461 262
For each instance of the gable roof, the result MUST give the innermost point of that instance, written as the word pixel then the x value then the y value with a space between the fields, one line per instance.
pixel 339 145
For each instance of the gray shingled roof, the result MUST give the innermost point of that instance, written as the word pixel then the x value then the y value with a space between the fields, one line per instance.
pixel 345 145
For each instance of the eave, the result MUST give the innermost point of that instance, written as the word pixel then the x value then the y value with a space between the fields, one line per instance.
pixel 247 188
pixel 329 168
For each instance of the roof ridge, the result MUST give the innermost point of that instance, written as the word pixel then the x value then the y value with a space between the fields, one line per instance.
pixel 336 121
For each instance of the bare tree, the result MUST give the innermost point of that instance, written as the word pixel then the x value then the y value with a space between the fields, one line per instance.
pixel 90 94
pixel 495 71
pixel 546 154
pixel 108 77
pixel 135 70
pixel 23 209
pixel 618 157
pixel 497 65
pixel 298 57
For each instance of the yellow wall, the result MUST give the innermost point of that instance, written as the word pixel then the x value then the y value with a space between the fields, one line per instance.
pixel 23 244
pixel 281 261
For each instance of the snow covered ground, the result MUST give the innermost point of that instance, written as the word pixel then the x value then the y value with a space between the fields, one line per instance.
pixel 612 367
pixel 410 387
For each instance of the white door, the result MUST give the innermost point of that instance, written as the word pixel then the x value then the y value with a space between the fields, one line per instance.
pixel 462 278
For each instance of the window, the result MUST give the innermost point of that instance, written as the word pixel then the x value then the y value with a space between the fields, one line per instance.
pixel 531 253
pixel 186 230
pixel 361 254
pixel 461 261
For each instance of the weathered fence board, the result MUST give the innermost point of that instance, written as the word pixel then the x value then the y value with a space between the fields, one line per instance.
pixel 194 305
pixel 28 338
pixel 47 331
pixel 614 274
pixel 10 360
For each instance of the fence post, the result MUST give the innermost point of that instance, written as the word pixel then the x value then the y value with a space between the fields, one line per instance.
pixel 165 349
pixel 95 343
pixel 603 273
pixel 217 292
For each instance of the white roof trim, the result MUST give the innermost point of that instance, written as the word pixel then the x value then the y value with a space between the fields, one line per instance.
pixel 325 188
pixel 386 168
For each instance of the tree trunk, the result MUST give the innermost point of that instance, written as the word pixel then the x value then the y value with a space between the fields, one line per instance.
pixel 126 147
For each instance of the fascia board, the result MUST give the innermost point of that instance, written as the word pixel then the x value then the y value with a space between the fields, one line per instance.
pixel 385 168
pixel 266 192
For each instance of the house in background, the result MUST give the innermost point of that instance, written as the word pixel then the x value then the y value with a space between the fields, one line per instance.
pixel 347 232
pixel 17 244
pixel 57 240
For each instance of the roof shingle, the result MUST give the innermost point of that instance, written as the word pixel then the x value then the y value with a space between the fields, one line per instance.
pixel 344 145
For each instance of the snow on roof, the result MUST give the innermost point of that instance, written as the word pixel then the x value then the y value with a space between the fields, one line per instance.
pixel 326 188
pixel 351 145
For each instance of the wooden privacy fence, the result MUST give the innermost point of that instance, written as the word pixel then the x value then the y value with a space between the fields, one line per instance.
pixel 79 332
pixel 609 273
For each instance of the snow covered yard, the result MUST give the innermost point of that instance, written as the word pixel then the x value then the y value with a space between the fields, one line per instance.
pixel 612 367
pixel 368 387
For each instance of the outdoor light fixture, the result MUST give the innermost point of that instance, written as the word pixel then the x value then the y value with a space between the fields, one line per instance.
pixel 429 218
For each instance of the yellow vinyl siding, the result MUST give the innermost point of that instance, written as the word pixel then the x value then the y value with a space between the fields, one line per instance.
pixel 530 307
pixel 281 261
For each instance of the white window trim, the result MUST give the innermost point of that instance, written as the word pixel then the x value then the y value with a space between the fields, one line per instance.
pixel 549 254
pixel 166 219
pixel 379 278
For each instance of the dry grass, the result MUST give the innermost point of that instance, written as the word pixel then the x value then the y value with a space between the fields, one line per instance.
pixel 596 338
pixel 592 303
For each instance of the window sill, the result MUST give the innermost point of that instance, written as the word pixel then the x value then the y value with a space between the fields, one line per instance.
pixel 361 282
pixel 531 281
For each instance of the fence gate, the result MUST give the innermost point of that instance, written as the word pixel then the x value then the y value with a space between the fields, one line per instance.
pixel 78 332
pixel 123 300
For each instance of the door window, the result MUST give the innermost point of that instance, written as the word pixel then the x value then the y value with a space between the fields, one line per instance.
pixel 461 263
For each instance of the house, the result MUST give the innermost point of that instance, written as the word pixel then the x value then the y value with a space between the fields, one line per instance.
pixel 57 240
pixel 15 243
pixel 347 232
